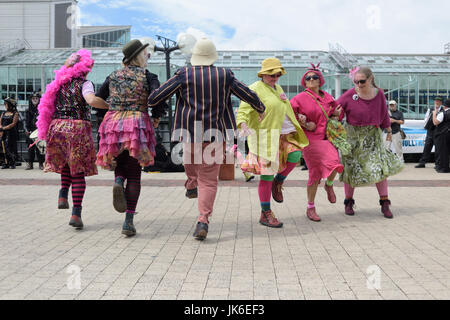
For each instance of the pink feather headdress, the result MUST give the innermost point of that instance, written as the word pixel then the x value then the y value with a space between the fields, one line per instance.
pixel 78 65
pixel 353 72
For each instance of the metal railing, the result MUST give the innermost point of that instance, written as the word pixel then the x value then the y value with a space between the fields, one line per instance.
pixel 13 46
pixel 342 58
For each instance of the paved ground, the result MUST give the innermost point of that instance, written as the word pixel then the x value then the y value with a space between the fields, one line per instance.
pixel 360 257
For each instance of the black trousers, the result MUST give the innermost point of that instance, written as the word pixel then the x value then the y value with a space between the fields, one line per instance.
pixel 442 151
pixel 34 151
pixel 10 144
pixel 428 146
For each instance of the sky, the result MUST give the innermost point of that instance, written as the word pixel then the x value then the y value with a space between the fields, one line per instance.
pixel 382 26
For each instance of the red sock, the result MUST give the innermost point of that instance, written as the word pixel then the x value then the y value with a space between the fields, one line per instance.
pixel 265 193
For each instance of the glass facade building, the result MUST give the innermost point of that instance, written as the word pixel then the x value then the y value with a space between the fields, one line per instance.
pixel 93 37
pixel 412 80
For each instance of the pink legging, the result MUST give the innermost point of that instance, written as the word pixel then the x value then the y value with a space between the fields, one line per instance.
pixel 78 183
pixel 382 188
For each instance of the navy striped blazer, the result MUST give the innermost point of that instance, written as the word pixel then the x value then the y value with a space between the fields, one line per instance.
pixel 203 108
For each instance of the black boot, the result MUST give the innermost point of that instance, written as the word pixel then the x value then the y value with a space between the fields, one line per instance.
pixel 63 202
pixel 75 219
pixel 128 228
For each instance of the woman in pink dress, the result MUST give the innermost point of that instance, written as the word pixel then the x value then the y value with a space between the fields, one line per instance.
pixel 321 156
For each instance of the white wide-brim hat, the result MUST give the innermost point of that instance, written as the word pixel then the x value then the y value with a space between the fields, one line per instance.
pixel 204 53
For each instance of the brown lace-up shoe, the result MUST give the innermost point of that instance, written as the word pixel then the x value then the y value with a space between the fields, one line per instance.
pixel 268 219
pixel 277 191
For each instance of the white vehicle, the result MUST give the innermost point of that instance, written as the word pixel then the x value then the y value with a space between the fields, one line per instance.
pixel 415 136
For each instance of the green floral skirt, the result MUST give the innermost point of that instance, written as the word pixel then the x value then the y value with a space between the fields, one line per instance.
pixel 369 161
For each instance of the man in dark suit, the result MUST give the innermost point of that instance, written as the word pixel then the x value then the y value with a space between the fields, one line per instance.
pixel 203 117
pixel 429 140
pixel 441 119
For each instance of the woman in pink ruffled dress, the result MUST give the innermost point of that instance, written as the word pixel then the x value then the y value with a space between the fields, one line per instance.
pixel 127 139
pixel 320 155
pixel 64 122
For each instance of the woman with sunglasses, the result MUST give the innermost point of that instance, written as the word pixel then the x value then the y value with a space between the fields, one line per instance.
pixel 369 162
pixel 276 141
pixel 320 155
pixel 127 138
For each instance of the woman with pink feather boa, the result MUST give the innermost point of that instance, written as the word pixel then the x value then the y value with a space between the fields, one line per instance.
pixel 64 122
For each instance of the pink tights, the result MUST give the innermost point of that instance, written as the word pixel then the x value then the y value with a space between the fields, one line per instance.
pixel 382 188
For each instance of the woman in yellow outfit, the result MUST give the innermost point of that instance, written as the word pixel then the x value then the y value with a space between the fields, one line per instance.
pixel 275 143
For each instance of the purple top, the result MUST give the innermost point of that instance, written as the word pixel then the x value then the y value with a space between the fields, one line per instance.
pixel 363 112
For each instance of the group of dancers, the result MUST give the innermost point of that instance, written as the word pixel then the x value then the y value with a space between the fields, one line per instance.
pixel 279 131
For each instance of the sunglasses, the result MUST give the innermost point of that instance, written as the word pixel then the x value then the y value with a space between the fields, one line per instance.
pixel 360 81
pixel 275 76
pixel 309 78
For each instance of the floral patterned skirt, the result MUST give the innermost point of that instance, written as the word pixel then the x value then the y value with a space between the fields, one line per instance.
pixel 369 161
pixel 261 166
pixel 126 130
pixel 70 142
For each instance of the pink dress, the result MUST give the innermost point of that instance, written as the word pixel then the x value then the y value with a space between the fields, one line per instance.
pixel 320 155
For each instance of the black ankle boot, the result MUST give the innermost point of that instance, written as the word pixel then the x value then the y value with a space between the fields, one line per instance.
pixel 75 219
pixel 63 203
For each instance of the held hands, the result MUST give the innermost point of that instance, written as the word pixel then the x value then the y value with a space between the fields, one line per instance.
pixel 302 120
pixel 337 112
pixel 310 126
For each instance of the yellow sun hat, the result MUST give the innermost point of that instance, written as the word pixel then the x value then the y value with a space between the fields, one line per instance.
pixel 271 66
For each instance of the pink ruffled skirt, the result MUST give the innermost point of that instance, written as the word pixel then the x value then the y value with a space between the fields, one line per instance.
pixel 126 130
pixel 70 142
pixel 322 158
